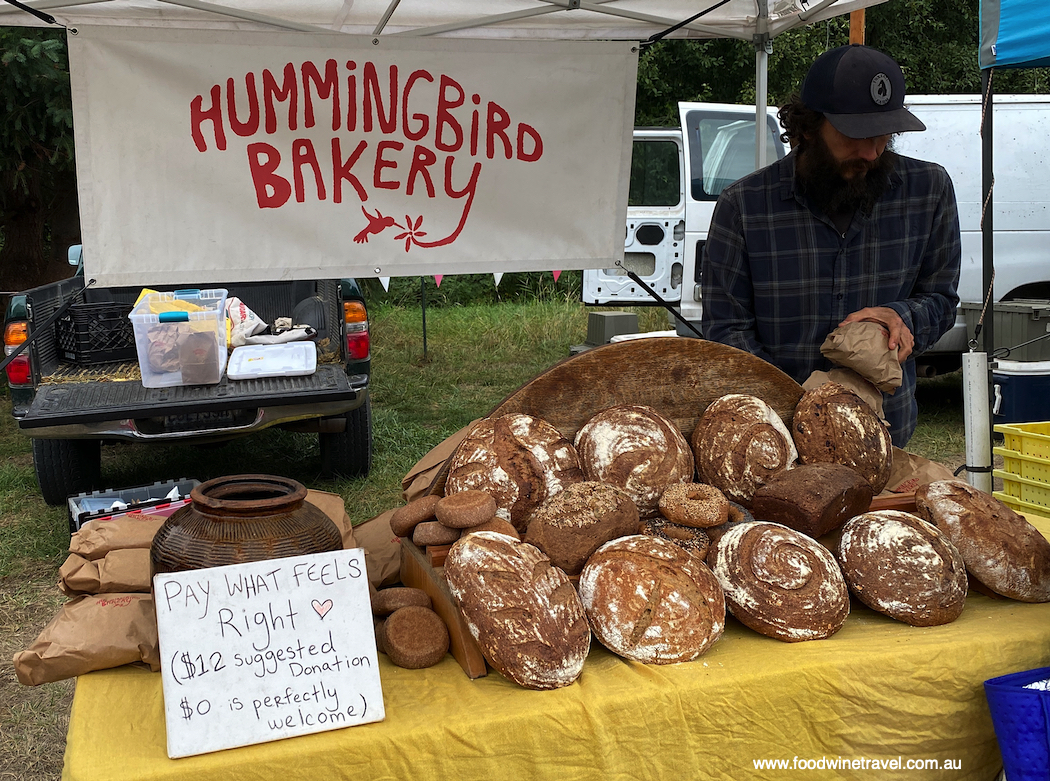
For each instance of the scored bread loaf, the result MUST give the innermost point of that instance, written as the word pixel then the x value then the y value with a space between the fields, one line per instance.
pixel 812 498
pixel 651 601
pixel 833 425
pixel 523 612
pixel 739 443
pixel 570 526
pixel 780 582
pixel 634 447
pixel 904 567
pixel 519 460
pixel 1002 550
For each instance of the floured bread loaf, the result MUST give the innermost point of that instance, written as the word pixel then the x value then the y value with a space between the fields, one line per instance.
pixel 812 498
pixel 739 444
pixel 649 600
pixel 833 425
pixel 904 567
pixel 637 449
pixel 570 526
pixel 1001 549
pixel 523 611
pixel 519 460
pixel 780 582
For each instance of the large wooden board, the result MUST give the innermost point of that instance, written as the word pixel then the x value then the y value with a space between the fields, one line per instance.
pixel 678 378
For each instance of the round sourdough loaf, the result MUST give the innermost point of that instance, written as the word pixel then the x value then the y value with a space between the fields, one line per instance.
pixel 637 449
pixel 833 425
pixel 523 611
pixel 904 567
pixel 519 460
pixel 570 526
pixel 739 443
pixel 812 498
pixel 1001 549
pixel 651 601
pixel 780 582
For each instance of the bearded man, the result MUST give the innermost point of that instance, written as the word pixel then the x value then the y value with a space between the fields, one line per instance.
pixel 841 230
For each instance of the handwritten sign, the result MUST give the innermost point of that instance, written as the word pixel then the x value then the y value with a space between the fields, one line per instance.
pixel 268 650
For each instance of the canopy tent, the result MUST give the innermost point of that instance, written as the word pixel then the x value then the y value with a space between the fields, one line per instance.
pixel 121 222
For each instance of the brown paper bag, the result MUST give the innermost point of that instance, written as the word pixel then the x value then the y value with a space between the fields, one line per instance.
pixel 92 633
pixel 382 549
pixel 97 538
pixel 120 571
pixel 909 471
pixel 864 348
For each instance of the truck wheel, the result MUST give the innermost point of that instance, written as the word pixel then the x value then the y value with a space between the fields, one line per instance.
pixel 349 453
pixel 65 467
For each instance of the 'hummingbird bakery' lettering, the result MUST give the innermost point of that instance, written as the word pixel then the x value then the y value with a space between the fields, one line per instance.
pixel 419 134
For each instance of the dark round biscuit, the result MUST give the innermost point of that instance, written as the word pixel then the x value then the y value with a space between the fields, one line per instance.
pixel 379 625
pixel 465 509
pixel 406 518
pixel 415 637
pixel 434 533
pixel 387 600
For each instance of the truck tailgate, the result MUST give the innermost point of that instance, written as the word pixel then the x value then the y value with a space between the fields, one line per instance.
pixel 93 402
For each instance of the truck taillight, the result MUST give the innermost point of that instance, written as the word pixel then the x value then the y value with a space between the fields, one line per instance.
pixel 19 371
pixel 355 317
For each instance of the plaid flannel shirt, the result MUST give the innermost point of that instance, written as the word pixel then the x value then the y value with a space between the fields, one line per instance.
pixel 777 276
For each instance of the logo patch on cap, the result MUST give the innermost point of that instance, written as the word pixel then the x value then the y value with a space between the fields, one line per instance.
pixel 881 90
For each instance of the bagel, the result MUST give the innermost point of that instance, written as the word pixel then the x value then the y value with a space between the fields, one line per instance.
pixel 694 504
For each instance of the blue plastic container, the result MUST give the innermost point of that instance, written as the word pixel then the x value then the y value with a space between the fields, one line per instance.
pixel 1021 391
pixel 1021 718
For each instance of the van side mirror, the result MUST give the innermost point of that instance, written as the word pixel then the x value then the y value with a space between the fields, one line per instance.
pixel 75 253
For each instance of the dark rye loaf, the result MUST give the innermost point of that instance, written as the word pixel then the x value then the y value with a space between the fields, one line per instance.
pixel 812 498
pixel 523 612
pixel 1001 549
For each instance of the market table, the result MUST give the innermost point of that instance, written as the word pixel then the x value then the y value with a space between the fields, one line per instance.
pixel 876 690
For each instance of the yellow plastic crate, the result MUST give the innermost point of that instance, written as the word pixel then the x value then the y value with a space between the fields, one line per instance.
pixel 1028 491
pixel 1029 467
pixel 1030 439
pixel 1021 506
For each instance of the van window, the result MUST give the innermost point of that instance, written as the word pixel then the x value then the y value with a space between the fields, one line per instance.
pixel 722 150
pixel 656 178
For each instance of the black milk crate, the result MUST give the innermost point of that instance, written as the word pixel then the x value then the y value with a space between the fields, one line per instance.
pixel 96 333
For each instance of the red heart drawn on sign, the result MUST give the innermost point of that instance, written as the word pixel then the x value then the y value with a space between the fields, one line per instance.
pixel 322 608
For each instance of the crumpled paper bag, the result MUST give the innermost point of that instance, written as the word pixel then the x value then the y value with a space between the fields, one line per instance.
pixel 92 633
pixel 863 347
pixel 119 571
pixel 97 538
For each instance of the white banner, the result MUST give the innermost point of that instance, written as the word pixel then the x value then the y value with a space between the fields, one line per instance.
pixel 211 157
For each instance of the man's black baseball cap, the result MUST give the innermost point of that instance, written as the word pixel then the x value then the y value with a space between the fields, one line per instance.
pixel 861 92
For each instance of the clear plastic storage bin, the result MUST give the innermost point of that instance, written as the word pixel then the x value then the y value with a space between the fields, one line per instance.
pixel 180 337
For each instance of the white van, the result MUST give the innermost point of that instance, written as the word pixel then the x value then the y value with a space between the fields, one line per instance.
pixel 666 230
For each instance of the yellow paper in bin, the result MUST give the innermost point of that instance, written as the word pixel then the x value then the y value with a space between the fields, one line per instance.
pixel 157 306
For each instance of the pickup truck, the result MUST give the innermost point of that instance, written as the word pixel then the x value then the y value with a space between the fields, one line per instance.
pixel 69 409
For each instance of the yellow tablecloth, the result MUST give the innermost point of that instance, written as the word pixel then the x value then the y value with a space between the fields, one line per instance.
pixel 876 690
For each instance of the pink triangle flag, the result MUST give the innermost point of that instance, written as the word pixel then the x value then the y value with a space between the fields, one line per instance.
pixel 556 275
pixel 438 278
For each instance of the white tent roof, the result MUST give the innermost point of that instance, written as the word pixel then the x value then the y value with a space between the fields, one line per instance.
pixel 551 19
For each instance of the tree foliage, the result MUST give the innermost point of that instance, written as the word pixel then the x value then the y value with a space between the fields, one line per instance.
pixel 37 184
pixel 935 42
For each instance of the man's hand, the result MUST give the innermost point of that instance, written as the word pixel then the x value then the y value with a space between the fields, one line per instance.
pixel 899 334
